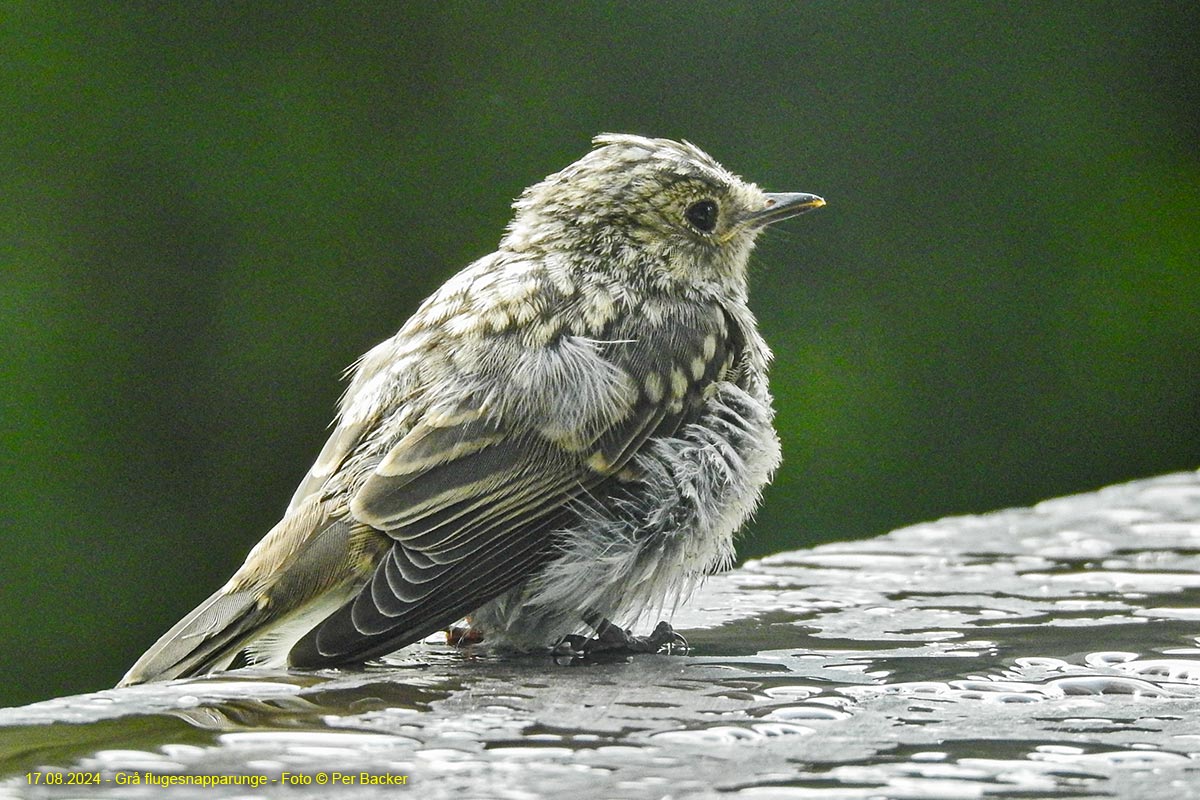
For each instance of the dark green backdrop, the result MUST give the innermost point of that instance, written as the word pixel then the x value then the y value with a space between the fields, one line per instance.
pixel 209 210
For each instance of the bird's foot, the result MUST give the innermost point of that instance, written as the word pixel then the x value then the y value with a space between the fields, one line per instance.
pixel 612 640
pixel 458 636
pixel 571 647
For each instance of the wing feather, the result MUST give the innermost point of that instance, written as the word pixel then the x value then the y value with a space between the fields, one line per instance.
pixel 337 447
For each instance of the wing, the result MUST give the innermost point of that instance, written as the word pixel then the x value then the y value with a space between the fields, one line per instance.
pixel 471 509
pixel 472 500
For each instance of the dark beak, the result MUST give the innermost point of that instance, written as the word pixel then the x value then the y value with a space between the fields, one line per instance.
pixel 784 206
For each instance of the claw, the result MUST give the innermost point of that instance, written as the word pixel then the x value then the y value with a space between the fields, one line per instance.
pixel 669 640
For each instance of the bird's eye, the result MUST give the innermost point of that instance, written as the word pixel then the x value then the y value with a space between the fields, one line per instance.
pixel 703 215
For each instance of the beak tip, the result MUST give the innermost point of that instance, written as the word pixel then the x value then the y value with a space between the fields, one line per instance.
pixel 785 205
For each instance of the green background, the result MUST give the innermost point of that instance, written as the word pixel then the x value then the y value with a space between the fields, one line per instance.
pixel 209 210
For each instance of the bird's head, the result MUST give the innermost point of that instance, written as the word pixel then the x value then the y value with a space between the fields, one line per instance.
pixel 650 209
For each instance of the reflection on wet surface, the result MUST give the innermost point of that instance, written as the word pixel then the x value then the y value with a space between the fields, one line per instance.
pixel 1044 652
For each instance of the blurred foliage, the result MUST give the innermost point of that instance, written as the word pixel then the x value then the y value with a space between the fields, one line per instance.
pixel 209 209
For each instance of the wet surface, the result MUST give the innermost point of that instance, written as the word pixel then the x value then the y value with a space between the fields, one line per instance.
pixel 1044 652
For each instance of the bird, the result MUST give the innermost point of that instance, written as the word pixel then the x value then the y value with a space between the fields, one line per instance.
pixel 564 436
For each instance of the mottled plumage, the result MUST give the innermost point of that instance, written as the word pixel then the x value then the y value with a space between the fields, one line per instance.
pixel 569 431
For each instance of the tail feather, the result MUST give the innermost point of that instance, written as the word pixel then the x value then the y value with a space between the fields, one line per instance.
pixel 312 567
pixel 207 639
